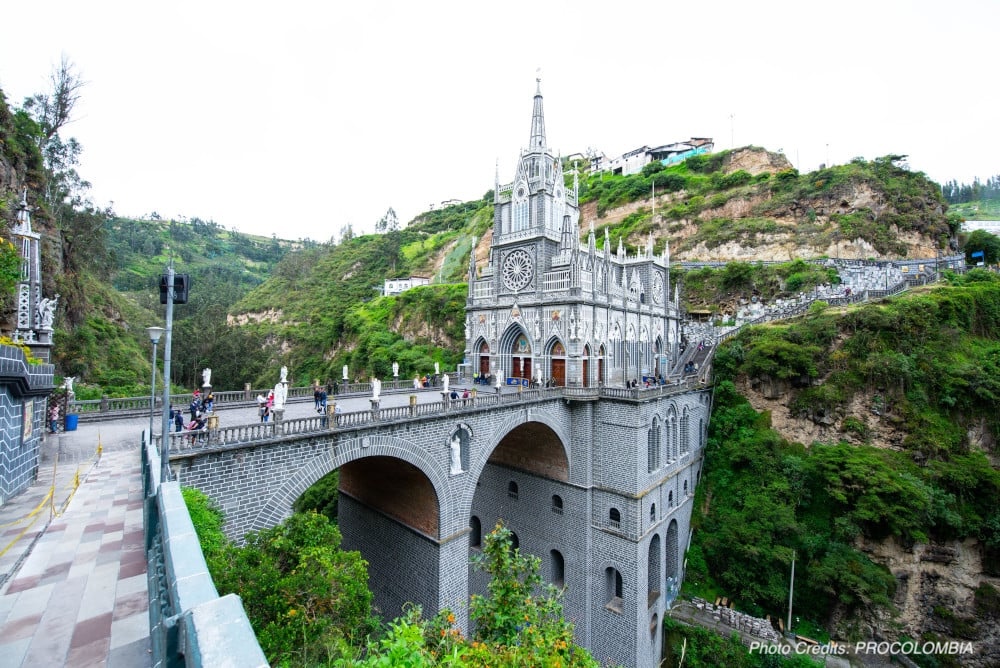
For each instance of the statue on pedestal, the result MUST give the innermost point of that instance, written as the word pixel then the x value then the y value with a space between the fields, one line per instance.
pixel 345 372
pixel 284 375
pixel 45 312
pixel 376 388
pixel 206 377
pixel 456 454
pixel 395 369
pixel 447 380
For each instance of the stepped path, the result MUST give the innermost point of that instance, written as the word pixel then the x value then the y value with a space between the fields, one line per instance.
pixel 73 563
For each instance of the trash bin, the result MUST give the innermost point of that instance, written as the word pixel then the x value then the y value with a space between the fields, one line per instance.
pixel 71 420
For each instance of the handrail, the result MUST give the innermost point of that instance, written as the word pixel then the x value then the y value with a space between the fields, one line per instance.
pixel 317 425
pixel 185 609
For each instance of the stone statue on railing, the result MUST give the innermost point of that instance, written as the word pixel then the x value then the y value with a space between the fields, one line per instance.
pixel 45 312
pixel 68 386
pixel 446 381
pixel 280 395
pixel 437 369
pixel 395 369
pixel 376 388
pixel 206 377
pixel 284 375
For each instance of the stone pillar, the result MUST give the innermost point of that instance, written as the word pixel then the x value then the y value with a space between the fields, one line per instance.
pixel 374 403
pixel 413 405
pixel 278 414
pixel 247 394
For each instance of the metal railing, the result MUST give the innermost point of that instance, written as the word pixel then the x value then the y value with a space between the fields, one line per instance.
pixel 186 612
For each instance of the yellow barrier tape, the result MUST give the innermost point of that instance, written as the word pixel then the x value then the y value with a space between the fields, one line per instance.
pixel 50 499
pixel 33 515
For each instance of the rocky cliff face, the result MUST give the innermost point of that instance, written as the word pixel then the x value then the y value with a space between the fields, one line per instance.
pixel 798 228
pixel 940 586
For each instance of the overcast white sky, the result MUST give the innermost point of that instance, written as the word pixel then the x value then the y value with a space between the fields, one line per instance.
pixel 296 117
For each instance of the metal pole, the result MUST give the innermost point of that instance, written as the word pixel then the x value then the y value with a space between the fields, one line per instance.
pixel 165 439
pixel 152 396
pixel 791 587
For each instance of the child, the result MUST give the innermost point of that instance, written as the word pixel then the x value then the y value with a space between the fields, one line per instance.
pixel 54 419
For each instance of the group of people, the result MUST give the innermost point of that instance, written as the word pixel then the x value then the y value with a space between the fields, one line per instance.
pixel 265 405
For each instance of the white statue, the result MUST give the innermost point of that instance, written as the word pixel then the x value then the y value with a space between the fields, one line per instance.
pixel 206 377
pixel 284 375
pixel 68 386
pixel 416 382
pixel 437 369
pixel 45 311
pixel 345 372
pixel 499 379
pixel 279 396
pixel 376 388
pixel 456 454
pixel 395 369
pixel 447 380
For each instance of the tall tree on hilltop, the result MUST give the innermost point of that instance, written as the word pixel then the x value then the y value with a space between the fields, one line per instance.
pixel 80 223
pixel 388 223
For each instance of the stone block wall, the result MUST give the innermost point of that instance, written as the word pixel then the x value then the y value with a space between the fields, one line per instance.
pixel 23 391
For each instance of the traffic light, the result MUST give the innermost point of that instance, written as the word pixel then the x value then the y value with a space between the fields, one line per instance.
pixel 181 284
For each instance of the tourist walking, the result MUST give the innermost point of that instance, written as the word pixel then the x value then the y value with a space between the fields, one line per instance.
pixel 54 419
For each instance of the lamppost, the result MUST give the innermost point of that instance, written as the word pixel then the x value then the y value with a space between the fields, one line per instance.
pixel 154 337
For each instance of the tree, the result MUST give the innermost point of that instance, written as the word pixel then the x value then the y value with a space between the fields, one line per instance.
pixel 307 599
pixel 346 233
pixel 981 240
pixel 388 223
pixel 518 623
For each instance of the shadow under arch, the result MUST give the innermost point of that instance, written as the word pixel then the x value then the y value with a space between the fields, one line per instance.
pixel 279 506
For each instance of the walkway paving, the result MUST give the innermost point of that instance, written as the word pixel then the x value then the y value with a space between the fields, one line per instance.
pixel 74 574
pixel 73 571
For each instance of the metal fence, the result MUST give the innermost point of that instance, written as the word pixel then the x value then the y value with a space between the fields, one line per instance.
pixel 189 623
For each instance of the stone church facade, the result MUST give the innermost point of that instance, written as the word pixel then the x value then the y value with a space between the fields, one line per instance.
pixel 610 521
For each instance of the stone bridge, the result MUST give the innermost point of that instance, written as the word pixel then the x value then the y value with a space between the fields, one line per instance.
pixel 596 482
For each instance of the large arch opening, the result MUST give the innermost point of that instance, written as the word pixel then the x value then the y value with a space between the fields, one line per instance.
pixel 389 511
pixel 524 485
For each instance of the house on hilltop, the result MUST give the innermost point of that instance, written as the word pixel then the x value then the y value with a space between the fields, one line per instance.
pixel 633 161
pixel 394 286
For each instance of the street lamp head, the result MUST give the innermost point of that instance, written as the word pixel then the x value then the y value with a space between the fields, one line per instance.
pixel 154 334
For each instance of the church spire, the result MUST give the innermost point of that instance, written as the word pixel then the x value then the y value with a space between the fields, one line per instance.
pixel 537 141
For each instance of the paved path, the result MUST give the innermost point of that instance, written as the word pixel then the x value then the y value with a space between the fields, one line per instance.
pixel 73 576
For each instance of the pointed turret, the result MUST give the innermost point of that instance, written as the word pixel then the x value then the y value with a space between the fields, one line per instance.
pixel 537 141
pixel 23 215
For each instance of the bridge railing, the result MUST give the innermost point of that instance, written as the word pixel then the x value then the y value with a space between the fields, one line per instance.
pixel 317 424
pixel 108 408
pixel 186 612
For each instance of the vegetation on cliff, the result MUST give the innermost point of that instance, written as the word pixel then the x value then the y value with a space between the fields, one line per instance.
pixel 922 369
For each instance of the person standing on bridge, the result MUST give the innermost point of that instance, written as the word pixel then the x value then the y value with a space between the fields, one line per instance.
pixel 54 418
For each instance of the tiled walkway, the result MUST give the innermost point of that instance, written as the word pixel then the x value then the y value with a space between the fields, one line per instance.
pixel 79 596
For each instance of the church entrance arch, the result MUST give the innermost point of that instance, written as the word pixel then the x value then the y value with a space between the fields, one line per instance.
pixel 520 357
pixel 484 359
pixel 558 356
pixel 601 378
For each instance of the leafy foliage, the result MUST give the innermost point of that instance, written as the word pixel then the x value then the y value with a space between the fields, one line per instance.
pixel 702 648
pixel 519 623
pixel 307 599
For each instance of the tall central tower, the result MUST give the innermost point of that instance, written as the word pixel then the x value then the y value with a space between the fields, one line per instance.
pixel 552 309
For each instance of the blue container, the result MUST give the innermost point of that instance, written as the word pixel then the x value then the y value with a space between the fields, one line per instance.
pixel 71 421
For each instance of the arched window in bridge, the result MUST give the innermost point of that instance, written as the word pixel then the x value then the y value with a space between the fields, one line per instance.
pixel 512 489
pixel 613 589
pixel 653 446
pixel 558 568
pixel 557 504
pixel 476 533
pixel 615 518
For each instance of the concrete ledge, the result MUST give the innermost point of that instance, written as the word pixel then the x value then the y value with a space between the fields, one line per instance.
pixel 218 633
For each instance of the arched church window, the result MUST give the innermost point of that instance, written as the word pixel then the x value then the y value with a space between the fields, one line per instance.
pixel 615 518
pixel 512 490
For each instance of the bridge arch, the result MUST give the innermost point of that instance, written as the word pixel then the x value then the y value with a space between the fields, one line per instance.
pixel 279 505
